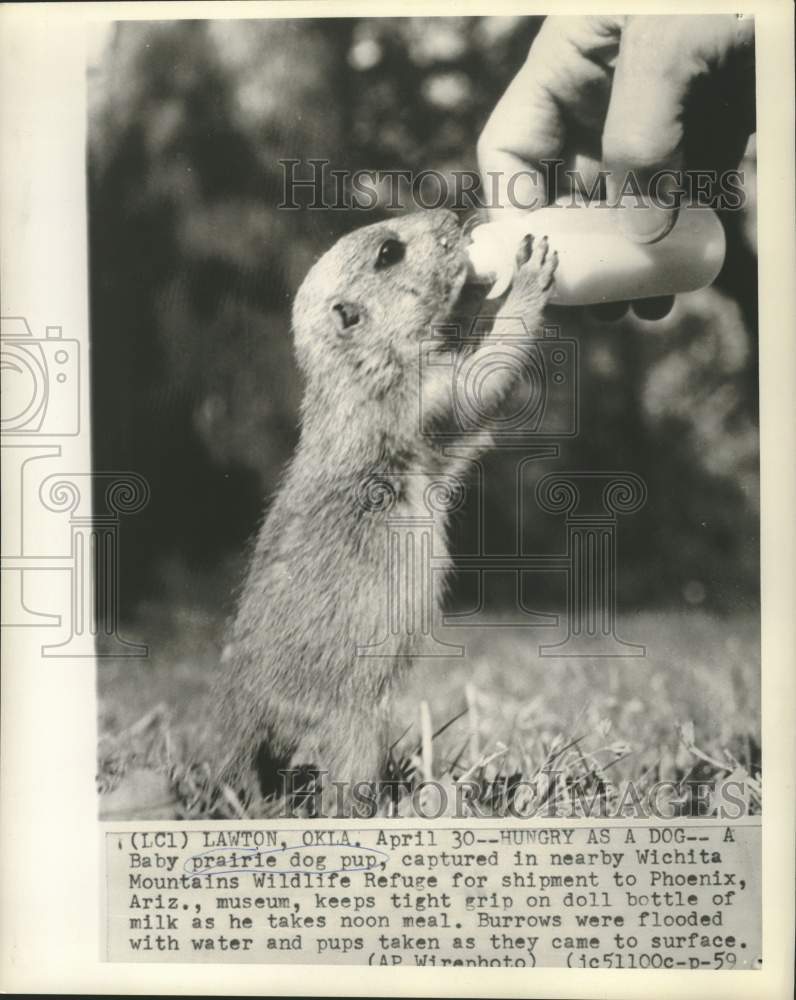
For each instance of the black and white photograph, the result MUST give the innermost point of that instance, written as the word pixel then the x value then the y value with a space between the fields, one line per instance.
pixel 429 488
pixel 398 498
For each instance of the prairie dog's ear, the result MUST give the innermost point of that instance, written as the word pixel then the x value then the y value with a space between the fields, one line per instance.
pixel 346 315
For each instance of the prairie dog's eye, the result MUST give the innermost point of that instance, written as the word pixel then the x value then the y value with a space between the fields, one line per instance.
pixel 390 252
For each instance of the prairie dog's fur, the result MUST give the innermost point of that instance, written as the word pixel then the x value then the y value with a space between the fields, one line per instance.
pixel 293 692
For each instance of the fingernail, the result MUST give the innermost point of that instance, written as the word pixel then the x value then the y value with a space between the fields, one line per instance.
pixel 646 224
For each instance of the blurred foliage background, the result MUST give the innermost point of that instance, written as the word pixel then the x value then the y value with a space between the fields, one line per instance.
pixel 193 268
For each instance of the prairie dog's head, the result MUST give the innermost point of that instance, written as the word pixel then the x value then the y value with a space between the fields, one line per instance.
pixel 368 302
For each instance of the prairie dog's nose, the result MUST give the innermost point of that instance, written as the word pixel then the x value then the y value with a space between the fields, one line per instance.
pixel 446 226
pixel 444 219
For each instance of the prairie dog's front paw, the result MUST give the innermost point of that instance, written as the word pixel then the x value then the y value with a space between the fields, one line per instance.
pixel 533 277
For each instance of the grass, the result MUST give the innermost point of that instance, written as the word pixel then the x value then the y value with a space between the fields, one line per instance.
pixel 501 729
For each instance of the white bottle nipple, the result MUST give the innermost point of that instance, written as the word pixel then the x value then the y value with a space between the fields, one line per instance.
pixel 597 262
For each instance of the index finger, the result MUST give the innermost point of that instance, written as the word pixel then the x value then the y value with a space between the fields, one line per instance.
pixel 559 95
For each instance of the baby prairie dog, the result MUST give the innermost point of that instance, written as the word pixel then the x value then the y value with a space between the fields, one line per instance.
pixel 295 691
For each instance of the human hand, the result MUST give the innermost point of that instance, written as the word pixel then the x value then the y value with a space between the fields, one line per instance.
pixel 634 93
